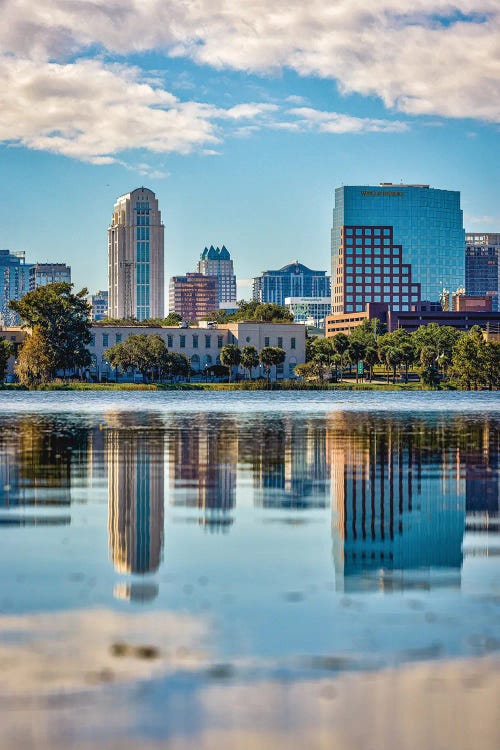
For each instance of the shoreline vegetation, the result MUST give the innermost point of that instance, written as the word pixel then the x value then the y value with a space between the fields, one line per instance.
pixel 243 385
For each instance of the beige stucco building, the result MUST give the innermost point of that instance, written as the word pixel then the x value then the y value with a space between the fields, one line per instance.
pixel 136 257
pixel 202 345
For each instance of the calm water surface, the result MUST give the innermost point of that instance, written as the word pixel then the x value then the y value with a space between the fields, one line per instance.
pixel 207 568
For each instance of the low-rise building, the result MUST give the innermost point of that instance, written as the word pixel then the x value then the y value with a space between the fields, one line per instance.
pixel 202 346
pixel 99 302
pixel 469 303
pixel 309 310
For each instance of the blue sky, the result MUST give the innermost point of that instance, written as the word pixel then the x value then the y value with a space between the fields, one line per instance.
pixel 242 120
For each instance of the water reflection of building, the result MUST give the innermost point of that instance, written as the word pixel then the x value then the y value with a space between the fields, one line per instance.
pixel 135 464
pixel 202 466
pixel 289 462
pixel 482 476
pixel 398 502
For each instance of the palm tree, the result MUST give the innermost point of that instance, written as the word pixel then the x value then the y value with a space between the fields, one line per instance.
pixel 230 356
pixel 340 344
pixel 271 356
pixel 249 359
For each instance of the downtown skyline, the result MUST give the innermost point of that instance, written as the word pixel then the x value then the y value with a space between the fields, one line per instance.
pixel 242 134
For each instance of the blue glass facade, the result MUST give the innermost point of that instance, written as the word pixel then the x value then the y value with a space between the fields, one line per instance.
pixel 14 283
pixel 142 258
pixel 427 223
pixel 293 280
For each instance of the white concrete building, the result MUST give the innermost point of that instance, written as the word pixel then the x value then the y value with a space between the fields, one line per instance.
pixel 136 257
pixel 202 345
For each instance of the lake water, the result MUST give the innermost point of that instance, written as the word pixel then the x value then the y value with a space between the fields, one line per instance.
pixel 249 570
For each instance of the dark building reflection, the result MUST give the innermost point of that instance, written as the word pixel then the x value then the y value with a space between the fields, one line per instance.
pixel 480 459
pixel 398 502
pixel 203 455
pixel 289 461
pixel 135 467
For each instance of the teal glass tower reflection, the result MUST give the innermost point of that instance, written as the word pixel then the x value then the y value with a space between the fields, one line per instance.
pixel 426 223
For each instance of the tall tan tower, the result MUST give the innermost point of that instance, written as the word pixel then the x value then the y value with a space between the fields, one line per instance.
pixel 135 257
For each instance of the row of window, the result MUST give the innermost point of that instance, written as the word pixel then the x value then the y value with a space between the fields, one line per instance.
pixel 195 341
pixel 142 233
pixel 367 231
pixel 359 250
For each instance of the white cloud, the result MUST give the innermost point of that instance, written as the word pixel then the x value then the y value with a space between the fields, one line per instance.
pixel 92 111
pixel 335 122
pixel 433 57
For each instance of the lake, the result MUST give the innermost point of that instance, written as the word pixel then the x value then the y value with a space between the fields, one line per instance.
pixel 249 570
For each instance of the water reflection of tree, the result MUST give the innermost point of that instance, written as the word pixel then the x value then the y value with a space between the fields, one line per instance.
pixel 38 460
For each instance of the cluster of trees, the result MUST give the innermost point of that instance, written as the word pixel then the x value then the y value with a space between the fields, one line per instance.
pixel 60 327
pixel 148 355
pixel 172 319
pixel 248 357
pixel 438 352
pixel 266 312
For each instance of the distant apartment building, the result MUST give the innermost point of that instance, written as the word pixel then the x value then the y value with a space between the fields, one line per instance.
pixel 309 310
pixel 215 261
pixel 99 303
pixel 293 280
pixel 395 244
pixel 136 257
pixel 14 283
pixel 42 274
pixel 482 266
pixel 193 296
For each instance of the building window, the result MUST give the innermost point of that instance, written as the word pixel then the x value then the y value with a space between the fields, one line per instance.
pixel 183 342
pixel 170 341
pixel 220 341
pixel 292 343
pixel 105 339
pixel 195 342
pixel 92 341
pixel 280 342
pixel 266 341
pixel 207 342
pixel 118 338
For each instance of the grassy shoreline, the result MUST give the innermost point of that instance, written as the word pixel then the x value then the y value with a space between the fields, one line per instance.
pixel 241 386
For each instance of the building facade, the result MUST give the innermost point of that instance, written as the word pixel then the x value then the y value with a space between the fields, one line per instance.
pixel 417 227
pixel 42 274
pixel 293 280
pixel 99 302
pixel 202 345
pixel 14 283
pixel 136 257
pixel 482 266
pixel 309 310
pixel 193 296
pixel 215 261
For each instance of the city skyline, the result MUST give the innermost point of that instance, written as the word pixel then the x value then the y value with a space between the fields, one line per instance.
pixel 242 123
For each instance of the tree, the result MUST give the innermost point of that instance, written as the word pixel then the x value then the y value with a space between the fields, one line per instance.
pixel 393 357
pixel 441 338
pixel 141 351
pixel 230 356
pixel 340 344
pixel 322 354
pixel 370 359
pixel 249 359
pixel 6 351
pixel 35 361
pixel 491 364
pixel 271 356
pixel 468 358
pixel 355 353
pixel 429 371
pixel 62 319
pixel 266 312
pixel 172 319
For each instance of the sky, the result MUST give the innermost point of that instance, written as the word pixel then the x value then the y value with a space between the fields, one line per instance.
pixel 243 117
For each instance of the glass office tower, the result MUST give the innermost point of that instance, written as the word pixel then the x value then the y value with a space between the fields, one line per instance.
pixel 426 223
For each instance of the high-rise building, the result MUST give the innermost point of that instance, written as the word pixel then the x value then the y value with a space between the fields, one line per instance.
pixel 42 274
pixel 135 257
pixel 193 296
pixel 394 243
pixel 215 261
pixel 14 283
pixel 99 302
pixel 293 280
pixel 309 310
pixel 482 266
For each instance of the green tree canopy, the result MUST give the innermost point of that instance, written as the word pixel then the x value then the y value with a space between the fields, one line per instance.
pixel 61 317
pixel 271 356
pixel 249 358
pixel 6 351
pixel 35 362
pixel 230 356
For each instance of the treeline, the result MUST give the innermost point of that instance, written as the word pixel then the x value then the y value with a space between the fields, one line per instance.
pixel 438 353
pixel 266 312
pixel 148 355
